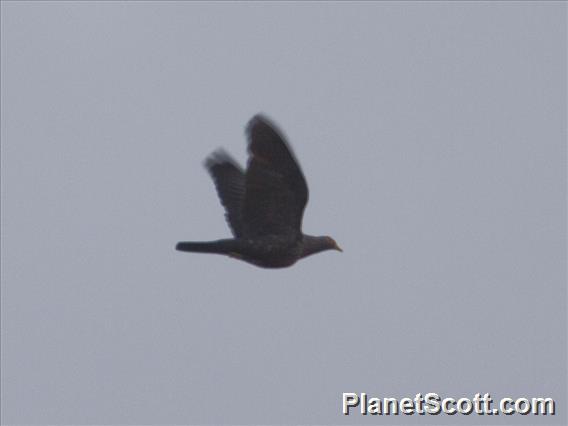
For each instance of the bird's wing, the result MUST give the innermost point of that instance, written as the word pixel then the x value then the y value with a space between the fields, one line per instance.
pixel 276 190
pixel 229 180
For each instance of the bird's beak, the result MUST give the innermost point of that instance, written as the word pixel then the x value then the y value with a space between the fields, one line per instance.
pixel 338 248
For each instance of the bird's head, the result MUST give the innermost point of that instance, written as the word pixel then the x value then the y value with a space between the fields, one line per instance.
pixel 312 245
pixel 331 244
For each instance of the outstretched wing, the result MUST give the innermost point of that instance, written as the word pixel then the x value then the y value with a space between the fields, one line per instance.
pixel 229 180
pixel 276 190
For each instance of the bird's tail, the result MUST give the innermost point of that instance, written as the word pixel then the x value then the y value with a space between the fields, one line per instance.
pixel 218 247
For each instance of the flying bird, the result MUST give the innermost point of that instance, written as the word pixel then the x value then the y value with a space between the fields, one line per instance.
pixel 264 205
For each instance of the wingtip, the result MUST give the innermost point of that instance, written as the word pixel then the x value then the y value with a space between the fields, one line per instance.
pixel 217 157
pixel 259 118
pixel 261 124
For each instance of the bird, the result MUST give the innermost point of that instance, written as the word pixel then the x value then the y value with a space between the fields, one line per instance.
pixel 264 204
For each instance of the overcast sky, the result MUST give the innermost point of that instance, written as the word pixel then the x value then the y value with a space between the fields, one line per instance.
pixel 433 140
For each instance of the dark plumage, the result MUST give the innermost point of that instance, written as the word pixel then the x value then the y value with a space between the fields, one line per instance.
pixel 264 205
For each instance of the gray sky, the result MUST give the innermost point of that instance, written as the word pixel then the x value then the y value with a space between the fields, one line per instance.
pixel 432 136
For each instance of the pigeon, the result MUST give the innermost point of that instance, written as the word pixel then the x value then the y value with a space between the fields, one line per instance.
pixel 264 204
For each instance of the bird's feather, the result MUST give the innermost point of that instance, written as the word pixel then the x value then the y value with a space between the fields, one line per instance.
pixel 229 180
pixel 276 190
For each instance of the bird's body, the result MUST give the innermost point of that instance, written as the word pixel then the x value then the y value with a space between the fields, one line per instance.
pixel 264 205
